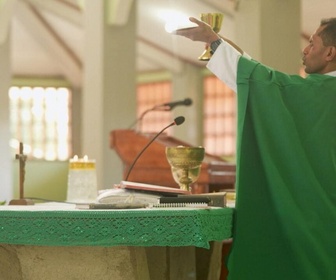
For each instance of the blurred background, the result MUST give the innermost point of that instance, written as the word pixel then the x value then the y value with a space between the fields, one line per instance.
pixel 72 71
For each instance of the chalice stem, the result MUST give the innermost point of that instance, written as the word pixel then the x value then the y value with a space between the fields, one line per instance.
pixel 185 181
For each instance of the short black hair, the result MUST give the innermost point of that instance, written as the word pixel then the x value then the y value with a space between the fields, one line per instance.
pixel 328 34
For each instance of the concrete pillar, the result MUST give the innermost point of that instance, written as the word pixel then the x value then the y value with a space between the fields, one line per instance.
pixel 5 152
pixel 189 83
pixel 269 30
pixel 109 98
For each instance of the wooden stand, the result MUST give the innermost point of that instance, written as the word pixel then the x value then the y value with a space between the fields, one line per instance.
pixel 21 202
pixel 22 161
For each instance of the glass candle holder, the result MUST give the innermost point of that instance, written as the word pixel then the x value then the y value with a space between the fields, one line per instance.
pixel 82 180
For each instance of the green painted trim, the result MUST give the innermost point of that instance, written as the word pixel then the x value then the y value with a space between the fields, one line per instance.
pixel 160 76
pixel 40 82
pixel 151 77
pixel 148 77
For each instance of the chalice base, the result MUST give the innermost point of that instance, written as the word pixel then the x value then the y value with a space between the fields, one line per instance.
pixel 206 55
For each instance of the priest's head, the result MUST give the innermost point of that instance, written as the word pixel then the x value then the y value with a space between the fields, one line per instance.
pixel 319 56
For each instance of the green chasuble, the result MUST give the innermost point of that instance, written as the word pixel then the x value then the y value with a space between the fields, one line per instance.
pixel 285 221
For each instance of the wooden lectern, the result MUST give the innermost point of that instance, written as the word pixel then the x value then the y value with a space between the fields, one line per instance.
pixel 153 167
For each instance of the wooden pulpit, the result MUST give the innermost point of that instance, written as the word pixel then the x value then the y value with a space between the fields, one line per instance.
pixel 153 168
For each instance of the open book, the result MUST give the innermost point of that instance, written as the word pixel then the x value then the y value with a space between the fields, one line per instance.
pixel 132 193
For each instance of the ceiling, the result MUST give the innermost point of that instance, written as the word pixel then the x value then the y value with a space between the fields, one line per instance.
pixel 46 36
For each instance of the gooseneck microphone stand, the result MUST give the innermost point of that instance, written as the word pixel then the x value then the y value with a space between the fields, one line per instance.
pixel 177 121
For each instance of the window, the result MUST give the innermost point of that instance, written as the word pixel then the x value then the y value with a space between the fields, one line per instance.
pixel 150 95
pixel 40 119
pixel 219 113
pixel 219 118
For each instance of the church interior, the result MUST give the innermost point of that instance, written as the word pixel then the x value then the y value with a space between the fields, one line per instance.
pixel 105 68
pixel 69 43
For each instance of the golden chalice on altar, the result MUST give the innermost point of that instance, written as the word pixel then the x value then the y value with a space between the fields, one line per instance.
pixel 185 164
pixel 215 21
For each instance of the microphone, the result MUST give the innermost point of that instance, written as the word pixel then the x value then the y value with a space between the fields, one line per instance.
pixel 171 105
pixel 177 121
pixel 162 107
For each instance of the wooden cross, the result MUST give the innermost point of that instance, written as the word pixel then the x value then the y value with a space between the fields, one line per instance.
pixel 22 169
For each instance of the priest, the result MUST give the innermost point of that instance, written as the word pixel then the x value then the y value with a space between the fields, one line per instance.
pixel 285 221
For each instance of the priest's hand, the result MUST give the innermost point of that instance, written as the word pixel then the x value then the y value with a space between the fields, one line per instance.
pixel 202 32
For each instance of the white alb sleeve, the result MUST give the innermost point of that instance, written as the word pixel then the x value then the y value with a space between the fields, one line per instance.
pixel 224 64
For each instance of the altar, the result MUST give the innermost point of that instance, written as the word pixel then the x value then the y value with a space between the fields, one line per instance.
pixel 58 241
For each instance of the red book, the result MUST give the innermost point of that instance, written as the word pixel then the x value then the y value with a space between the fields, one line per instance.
pixel 152 188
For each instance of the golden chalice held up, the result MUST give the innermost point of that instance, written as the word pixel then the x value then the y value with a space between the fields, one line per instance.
pixel 185 164
pixel 215 21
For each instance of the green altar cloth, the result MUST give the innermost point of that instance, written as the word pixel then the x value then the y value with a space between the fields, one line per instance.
pixel 61 226
pixel 285 223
